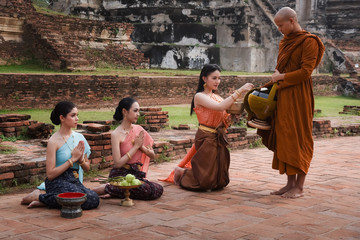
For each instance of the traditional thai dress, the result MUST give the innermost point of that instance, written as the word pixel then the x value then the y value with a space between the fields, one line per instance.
pixel 207 163
pixel 69 181
pixel 138 166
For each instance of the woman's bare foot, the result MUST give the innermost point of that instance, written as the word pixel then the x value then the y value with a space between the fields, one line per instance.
pixel 105 196
pixel 34 204
pixel 178 172
pixel 281 191
pixel 100 190
pixel 33 196
pixel 295 192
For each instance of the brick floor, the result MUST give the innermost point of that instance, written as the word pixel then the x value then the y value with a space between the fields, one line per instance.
pixel 330 208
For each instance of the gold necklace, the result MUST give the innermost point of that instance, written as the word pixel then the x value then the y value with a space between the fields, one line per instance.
pixel 67 142
pixel 213 97
pixel 126 132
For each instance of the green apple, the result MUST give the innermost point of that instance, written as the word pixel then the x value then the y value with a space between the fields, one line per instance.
pixel 135 182
pixel 129 178
pixel 124 183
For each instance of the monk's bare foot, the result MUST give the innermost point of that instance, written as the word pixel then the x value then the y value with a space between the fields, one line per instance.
pixel 281 191
pixel 105 196
pixel 177 175
pixel 34 204
pixel 33 196
pixel 295 192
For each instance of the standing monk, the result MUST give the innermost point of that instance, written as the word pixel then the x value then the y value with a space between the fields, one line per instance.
pixel 291 135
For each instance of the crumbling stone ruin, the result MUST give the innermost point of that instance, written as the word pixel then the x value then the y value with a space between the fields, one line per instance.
pixel 238 35
pixel 61 42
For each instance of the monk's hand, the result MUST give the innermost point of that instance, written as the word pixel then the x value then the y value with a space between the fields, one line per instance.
pixel 276 76
pixel 78 151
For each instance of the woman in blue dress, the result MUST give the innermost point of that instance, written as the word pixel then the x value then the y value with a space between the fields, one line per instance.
pixel 66 157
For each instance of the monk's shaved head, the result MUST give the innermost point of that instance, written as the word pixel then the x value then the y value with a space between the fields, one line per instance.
pixel 286 13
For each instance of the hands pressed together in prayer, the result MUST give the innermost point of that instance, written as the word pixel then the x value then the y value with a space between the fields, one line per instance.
pixel 139 140
pixel 78 151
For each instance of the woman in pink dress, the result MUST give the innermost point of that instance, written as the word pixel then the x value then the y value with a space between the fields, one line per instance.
pixel 206 166
pixel 131 151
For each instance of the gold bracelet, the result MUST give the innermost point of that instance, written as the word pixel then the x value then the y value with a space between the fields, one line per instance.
pixel 71 162
pixel 233 98
pixel 129 156
pixel 238 93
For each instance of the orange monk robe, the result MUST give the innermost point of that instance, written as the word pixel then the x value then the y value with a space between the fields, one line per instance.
pixel 299 54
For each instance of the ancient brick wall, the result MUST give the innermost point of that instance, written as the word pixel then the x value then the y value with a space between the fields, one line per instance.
pixel 44 91
pixel 25 172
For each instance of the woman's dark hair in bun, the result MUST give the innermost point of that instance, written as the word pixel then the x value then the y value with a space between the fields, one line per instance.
pixel 124 103
pixel 205 71
pixel 61 109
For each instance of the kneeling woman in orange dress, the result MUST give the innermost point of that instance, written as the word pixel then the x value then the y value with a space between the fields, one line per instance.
pixel 206 166
pixel 131 151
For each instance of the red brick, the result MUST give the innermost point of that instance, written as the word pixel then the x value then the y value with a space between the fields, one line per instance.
pixel 36 171
pixel 11 124
pixel 9 167
pixel 153 109
pixel 153 121
pixel 96 153
pixel 26 123
pixel 94 148
pixel 107 146
pixel 160 144
pixel 106 152
pixel 103 142
pixel 29 165
pixel 178 142
pixel 94 127
pixel 8 175
pixel 96 160
pixel 158 150
pixel 8 130
pixel 106 135
pixel 91 136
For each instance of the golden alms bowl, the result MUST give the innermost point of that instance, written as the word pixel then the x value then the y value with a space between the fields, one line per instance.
pixel 236 108
pixel 260 105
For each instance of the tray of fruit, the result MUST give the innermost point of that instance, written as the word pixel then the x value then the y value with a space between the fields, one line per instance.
pixel 127 182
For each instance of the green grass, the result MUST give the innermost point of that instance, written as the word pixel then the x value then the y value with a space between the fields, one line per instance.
pixel 180 115
pixel 35 67
pixel 331 106
pixel 29 66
